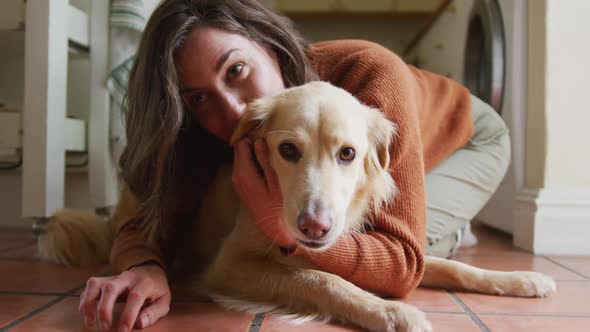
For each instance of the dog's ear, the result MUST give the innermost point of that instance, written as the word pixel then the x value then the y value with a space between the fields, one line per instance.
pixel 253 118
pixel 381 133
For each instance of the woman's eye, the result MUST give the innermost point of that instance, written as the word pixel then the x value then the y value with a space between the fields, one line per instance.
pixel 289 152
pixel 235 70
pixel 197 100
pixel 347 154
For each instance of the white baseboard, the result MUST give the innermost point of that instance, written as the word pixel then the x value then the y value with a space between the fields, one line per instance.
pixel 553 222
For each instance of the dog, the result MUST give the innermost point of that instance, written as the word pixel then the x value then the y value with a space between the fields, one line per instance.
pixel 331 155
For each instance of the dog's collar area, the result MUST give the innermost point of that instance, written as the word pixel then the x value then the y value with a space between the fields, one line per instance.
pixel 287 250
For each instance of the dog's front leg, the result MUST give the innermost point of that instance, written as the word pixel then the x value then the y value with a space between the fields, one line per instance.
pixel 309 292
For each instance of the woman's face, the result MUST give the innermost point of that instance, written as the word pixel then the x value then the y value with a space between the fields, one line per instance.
pixel 220 72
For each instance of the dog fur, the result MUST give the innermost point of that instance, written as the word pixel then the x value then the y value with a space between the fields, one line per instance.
pixel 246 271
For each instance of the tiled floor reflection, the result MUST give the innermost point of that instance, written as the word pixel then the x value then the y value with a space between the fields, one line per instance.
pixel 37 296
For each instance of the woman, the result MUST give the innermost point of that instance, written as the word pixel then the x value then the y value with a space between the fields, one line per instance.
pixel 199 64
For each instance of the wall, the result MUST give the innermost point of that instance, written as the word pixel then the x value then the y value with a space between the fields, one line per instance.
pixel 567 102
pixel 393 34
pixel 554 209
pixel 559 104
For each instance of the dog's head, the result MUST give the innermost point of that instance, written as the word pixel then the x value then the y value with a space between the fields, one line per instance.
pixel 331 156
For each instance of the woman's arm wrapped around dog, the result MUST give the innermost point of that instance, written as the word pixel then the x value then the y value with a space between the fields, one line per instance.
pixel 389 259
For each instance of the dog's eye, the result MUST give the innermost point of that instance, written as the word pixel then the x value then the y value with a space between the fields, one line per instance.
pixel 289 152
pixel 346 154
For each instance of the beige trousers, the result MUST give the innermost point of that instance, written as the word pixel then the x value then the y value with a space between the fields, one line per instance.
pixel 462 184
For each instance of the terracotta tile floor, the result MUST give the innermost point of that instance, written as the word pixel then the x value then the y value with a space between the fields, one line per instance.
pixel 36 296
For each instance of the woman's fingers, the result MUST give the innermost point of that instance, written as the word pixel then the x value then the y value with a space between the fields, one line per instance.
pixel 150 314
pixel 89 299
pixel 245 177
pixel 141 283
pixel 246 164
pixel 261 150
pixel 135 300
pixel 110 292
pixel 236 167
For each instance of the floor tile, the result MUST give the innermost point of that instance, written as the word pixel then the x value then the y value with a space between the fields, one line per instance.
pixel 577 263
pixel 452 323
pixel 520 263
pixel 27 253
pixel 64 316
pixel 490 241
pixel 17 306
pixel 43 277
pixel 22 272
pixel 16 233
pixel 571 299
pixel 15 238
pixel 202 317
pixel 534 323
pixel 275 324
pixel 432 300
pixel 7 244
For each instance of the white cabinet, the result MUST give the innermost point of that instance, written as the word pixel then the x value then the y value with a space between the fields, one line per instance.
pixel 40 36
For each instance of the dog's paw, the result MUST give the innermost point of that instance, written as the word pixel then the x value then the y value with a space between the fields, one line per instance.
pixel 408 318
pixel 401 317
pixel 527 284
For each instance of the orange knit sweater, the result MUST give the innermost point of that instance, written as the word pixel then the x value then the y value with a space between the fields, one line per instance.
pixel 433 116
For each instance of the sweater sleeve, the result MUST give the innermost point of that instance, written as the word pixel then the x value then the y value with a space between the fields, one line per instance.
pixel 389 259
pixel 130 247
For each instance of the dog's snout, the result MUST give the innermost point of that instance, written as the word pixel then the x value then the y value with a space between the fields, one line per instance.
pixel 313 226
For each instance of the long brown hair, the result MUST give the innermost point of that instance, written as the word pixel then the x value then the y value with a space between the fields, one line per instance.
pixel 166 148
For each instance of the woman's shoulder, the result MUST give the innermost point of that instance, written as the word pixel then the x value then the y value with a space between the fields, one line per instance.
pixel 338 60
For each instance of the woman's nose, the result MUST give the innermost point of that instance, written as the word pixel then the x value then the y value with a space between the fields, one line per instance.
pixel 233 106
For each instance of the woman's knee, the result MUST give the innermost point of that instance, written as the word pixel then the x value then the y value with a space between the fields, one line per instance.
pixel 491 134
pixel 488 124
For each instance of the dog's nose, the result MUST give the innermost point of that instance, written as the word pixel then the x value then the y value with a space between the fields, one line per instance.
pixel 313 226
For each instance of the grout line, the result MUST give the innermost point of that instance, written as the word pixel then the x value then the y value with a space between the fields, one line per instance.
pixel 42 308
pixel 256 323
pixel 443 312
pixel 566 267
pixel 32 313
pixel 471 314
pixel 533 315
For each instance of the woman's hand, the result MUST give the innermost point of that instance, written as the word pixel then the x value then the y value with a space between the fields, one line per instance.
pixel 148 298
pixel 261 194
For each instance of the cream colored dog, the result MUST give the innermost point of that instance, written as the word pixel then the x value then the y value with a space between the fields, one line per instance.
pixel 330 154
